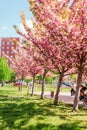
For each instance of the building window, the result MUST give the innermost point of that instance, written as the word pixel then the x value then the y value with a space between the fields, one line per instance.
pixel 8 43
pixel 7 47
pixel 3 43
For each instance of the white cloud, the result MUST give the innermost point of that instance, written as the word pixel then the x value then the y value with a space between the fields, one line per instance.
pixel 4 27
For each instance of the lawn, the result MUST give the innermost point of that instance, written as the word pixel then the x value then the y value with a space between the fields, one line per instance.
pixel 51 87
pixel 19 111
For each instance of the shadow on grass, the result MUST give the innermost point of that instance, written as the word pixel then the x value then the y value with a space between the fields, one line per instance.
pixel 63 126
pixel 16 113
pixel 69 126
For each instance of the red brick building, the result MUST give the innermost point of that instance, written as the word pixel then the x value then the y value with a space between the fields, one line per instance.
pixel 7 45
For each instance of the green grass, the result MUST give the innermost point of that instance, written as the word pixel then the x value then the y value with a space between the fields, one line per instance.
pixel 9 90
pixel 19 111
pixel 51 87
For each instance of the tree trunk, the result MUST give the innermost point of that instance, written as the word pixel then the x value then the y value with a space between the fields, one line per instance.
pixel 56 98
pixel 28 88
pixel 42 89
pixel 20 86
pixel 32 93
pixel 79 81
pixel 3 83
pixel 43 84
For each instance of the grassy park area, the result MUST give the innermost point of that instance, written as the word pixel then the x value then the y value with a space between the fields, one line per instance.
pixel 19 111
pixel 51 87
pixel 43 65
pixel 9 90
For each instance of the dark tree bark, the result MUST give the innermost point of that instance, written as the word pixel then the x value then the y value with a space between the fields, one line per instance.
pixel 20 86
pixel 79 81
pixel 3 83
pixel 32 93
pixel 28 88
pixel 56 98
pixel 43 84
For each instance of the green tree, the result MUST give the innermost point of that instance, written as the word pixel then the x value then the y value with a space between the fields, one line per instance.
pixel 12 76
pixel 5 70
pixel 39 78
pixel 49 79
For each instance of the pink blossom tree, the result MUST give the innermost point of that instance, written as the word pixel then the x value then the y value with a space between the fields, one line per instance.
pixel 73 32
pixel 24 66
pixel 19 65
pixel 79 42
pixel 60 31
pixel 31 68
pixel 49 40
pixel 40 61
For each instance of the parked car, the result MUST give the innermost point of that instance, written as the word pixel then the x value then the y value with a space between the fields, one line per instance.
pixel 66 84
pixel 16 84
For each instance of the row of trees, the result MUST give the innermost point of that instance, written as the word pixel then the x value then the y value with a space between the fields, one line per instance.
pixel 57 42
pixel 27 63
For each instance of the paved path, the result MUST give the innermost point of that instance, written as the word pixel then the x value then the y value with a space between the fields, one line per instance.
pixel 64 97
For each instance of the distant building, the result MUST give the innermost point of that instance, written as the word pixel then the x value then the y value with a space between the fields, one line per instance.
pixel 7 44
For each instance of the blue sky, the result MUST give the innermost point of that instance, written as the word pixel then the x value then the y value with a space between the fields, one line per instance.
pixel 10 15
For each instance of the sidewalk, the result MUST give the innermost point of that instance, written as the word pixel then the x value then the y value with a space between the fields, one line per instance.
pixel 64 97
